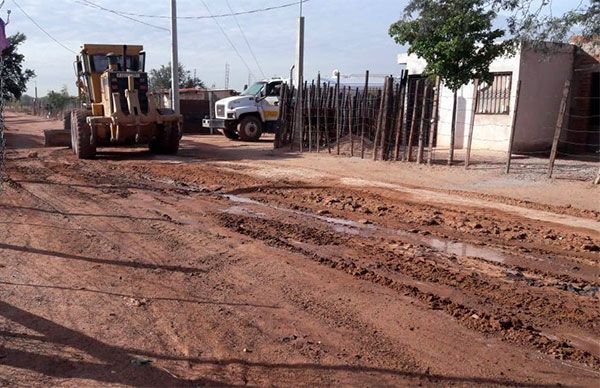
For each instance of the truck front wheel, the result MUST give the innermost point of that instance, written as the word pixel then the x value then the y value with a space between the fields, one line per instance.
pixel 250 128
pixel 230 133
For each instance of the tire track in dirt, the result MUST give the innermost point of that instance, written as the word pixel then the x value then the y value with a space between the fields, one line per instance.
pixel 500 322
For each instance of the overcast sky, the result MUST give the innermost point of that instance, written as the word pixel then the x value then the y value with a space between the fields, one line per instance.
pixel 350 35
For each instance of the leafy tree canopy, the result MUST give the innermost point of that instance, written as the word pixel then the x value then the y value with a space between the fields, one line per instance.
pixel 455 37
pixel 534 21
pixel 14 75
pixel 60 100
pixel 161 78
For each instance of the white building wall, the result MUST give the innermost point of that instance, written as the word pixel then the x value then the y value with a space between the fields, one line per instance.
pixel 543 75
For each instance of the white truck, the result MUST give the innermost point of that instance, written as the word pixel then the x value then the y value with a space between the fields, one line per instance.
pixel 249 115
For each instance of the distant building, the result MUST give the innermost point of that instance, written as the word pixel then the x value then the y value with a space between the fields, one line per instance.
pixel 194 104
pixel 542 73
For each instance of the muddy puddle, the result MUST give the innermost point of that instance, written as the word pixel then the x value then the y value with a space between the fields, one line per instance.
pixel 340 225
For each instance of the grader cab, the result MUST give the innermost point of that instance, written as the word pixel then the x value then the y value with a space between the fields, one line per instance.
pixel 117 110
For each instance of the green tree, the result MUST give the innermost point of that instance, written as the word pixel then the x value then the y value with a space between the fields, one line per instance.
pixel 13 74
pixel 533 20
pixel 457 40
pixel 160 78
pixel 61 100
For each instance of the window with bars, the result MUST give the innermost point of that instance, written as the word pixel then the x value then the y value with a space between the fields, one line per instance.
pixel 494 98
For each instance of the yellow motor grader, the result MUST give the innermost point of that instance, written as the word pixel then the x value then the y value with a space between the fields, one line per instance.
pixel 117 110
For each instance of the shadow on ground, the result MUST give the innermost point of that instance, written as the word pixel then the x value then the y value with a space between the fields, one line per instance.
pixel 114 364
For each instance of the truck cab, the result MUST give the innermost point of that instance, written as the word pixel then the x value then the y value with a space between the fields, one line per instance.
pixel 249 115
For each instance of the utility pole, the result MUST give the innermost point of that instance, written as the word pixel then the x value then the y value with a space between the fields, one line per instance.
pixel 298 132
pixel 300 50
pixel 227 75
pixel 174 59
pixel 35 101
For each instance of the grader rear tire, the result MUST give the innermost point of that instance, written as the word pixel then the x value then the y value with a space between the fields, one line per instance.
pixel 82 141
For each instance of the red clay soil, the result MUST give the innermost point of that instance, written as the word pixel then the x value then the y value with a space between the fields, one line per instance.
pixel 215 268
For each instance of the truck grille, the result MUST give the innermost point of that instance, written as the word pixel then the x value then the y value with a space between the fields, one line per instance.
pixel 220 110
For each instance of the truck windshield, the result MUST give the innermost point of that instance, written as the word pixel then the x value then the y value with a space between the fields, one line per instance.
pixel 254 89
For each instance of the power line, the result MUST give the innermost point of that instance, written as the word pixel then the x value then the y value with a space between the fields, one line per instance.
pixel 42 29
pixel 118 13
pixel 246 40
pixel 211 16
pixel 229 40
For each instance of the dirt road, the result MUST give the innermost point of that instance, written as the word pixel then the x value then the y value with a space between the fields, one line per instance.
pixel 232 264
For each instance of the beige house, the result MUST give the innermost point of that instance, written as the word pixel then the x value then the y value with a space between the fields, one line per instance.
pixel 542 75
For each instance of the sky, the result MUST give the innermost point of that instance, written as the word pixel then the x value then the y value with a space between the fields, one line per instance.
pixel 349 35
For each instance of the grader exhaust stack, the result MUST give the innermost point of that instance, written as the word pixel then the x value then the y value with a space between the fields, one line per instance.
pixel 117 110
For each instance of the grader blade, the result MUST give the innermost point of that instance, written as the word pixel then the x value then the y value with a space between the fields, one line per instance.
pixel 57 138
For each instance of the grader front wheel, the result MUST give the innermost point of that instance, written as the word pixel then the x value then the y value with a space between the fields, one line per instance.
pixel 82 142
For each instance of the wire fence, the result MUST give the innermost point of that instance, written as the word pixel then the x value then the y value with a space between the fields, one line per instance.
pixel 408 119
pixel 2 127
pixel 41 109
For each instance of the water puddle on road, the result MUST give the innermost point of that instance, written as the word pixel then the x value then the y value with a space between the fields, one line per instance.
pixel 457 248
pixel 341 225
pixel 238 199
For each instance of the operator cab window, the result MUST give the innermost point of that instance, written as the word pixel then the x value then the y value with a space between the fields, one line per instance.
pixel 100 63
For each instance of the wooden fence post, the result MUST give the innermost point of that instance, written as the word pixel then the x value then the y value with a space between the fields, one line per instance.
pixel 351 120
pixel 303 114
pixel 326 117
pixel 400 116
pixel 559 125
pixel 281 119
pixel 453 128
pixel 434 120
pixel 337 113
pixel 379 120
pixel 364 114
pixel 422 124
pixel 293 116
pixel 414 121
pixel 311 94
pixel 318 98
pixel 472 124
pixel 512 128
pixel 386 120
